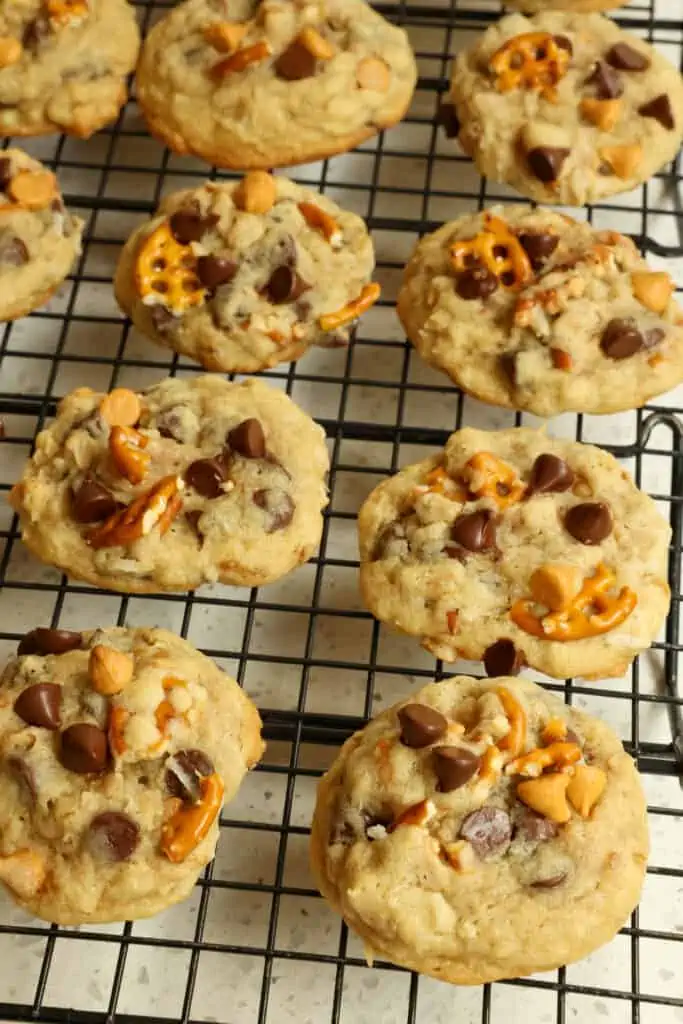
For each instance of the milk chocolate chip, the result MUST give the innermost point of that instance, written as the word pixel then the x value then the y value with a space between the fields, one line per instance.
pixel 5 172
pixel 420 725
pixel 538 246
pixel 608 85
pixel 661 110
pixel 278 506
pixel 84 749
pixel 476 283
pixel 113 836
pixel 503 659
pixel 187 226
pixel 49 641
pixel 545 162
pixel 207 476
pixel 621 339
pixel 534 828
pixel 40 705
pixel 454 767
pixel 475 531
pixel 625 58
pixel 214 271
pixel 550 473
pixel 285 285
pixel 589 523
pixel 488 830
pixel 184 772
pixel 296 62
pixel 248 439
pixel 447 118
pixel 92 502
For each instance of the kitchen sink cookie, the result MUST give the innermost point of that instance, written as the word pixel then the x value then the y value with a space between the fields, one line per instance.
pixel 189 482
pixel 255 85
pixel 482 830
pixel 530 309
pixel 117 750
pixel 567 108
pixel 63 64
pixel 243 275
pixel 39 239
pixel 517 548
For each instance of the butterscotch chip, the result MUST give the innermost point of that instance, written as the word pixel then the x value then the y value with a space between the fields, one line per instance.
pixel 33 189
pixel 316 44
pixel 225 36
pixel 622 160
pixel 653 288
pixel 603 113
pixel 373 73
pixel 256 192
pixel 10 51
pixel 121 408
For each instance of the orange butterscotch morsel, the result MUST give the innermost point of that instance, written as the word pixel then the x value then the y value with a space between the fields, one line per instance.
pixel 555 585
pixel 240 60
pixel 33 190
pixel 321 221
pixel 512 743
pixel 373 73
pixel 487 476
pixel 592 612
pixel 256 192
pixel 347 314
pixel 534 763
pixel 110 670
pixel 585 788
pixel 315 43
pixel 653 289
pixel 24 872
pixel 225 36
pixel 10 51
pixel 188 825
pixel 623 160
pixel 166 272
pixel 121 408
pixel 532 60
pixel 496 248
pixel 126 449
pixel 547 795
pixel 602 113
pixel 157 507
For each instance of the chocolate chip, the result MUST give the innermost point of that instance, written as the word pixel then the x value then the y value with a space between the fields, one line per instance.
pixel 625 58
pixel 454 766
pixel 420 725
pixel 545 162
pixel 40 705
pixel 248 439
pixel 503 659
pixel 91 502
pixel 23 773
pixel 538 246
pixel 447 118
pixel 172 423
pixel 550 473
pixel 475 531
pixel 5 172
pixel 661 110
pixel 214 271
pixel 49 641
pixel 84 749
pixel 13 252
pixel 564 43
pixel 163 320
pixel 35 32
pixel 113 836
pixel 551 882
pixel 206 476
pixel 285 285
pixel 534 828
pixel 608 85
pixel 184 772
pixel 278 505
pixel 508 365
pixel 621 339
pixel 589 523
pixel 476 283
pixel 187 226
pixel 488 830
pixel 295 63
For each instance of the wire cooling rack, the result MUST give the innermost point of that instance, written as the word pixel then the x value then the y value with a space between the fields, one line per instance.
pixel 255 943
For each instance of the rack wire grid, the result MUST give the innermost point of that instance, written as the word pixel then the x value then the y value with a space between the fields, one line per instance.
pixel 256 943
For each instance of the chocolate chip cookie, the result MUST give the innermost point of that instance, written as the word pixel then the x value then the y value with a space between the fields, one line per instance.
pixel 482 830
pixel 63 64
pixel 517 548
pixel 243 275
pixel 567 108
pixel 117 750
pixel 585 6
pixel 255 85
pixel 530 309
pixel 39 239
pixel 189 482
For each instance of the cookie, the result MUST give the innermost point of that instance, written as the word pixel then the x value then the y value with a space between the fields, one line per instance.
pixel 584 6
pixel 530 309
pixel 254 85
pixel 117 750
pixel 517 548
pixel 39 239
pixel 241 276
pixel 568 108
pixel 63 64
pixel 189 482
pixel 442 845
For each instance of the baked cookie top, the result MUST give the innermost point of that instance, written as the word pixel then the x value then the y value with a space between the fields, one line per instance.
pixel 481 830
pixel 517 548
pixel 117 750
pixel 536 6
pixel 567 107
pixel 250 84
pixel 530 309
pixel 63 64
pixel 39 239
pixel 243 275
pixel 190 481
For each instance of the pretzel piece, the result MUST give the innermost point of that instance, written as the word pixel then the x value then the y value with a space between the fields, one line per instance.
pixel 497 249
pixel 487 476
pixel 157 507
pixel 321 221
pixel 367 298
pixel 592 612
pixel 126 449
pixel 438 481
pixel 118 716
pixel 166 272
pixel 185 829
pixel 533 763
pixel 62 11
pixel 240 60
pixel 513 741
pixel 532 60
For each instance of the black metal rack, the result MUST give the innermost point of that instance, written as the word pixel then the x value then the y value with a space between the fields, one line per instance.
pixel 233 952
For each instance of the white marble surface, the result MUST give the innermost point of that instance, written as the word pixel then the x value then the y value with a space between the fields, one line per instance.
pixel 238 924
